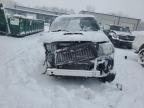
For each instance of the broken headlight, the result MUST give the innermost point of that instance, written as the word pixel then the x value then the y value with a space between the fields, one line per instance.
pixel 114 35
pixel 105 49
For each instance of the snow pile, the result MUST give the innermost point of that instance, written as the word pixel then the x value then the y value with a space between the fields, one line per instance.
pixel 130 74
pixel 19 89
pixel 19 62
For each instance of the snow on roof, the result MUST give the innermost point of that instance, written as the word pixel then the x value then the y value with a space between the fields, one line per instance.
pixel 17 15
pixel 77 15
pixel 90 12
pixel 117 25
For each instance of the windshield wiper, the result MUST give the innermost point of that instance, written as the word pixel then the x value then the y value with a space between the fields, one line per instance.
pixel 58 30
pixel 83 30
pixel 73 33
pixel 90 30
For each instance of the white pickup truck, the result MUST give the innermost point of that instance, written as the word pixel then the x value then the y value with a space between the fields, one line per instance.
pixel 138 46
pixel 75 46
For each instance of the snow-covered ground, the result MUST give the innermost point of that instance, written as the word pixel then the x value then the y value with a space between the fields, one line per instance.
pixel 22 84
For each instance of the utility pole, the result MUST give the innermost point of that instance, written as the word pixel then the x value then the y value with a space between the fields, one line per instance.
pixel 15 8
pixel 118 23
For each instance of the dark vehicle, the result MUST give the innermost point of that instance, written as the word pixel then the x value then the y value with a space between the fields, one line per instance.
pixel 120 36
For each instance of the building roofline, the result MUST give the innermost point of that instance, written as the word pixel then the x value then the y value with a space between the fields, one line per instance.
pixel 34 10
pixel 78 15
pixel 39 9
pixel 111 15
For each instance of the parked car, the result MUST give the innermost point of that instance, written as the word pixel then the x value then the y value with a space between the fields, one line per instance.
pixel 138 46
pixel 75 46
pixel 120 36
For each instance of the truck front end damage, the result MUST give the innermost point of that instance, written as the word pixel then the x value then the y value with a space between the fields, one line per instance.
pixel 79 58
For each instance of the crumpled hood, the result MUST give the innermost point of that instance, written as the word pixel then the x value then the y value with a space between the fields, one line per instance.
pixel 123 33
pixel 94 36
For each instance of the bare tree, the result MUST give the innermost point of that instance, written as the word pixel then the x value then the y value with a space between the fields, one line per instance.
pixel 8 2
pixel 90 8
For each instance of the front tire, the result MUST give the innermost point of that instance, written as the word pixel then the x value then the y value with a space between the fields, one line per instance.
pixel 109 78
pixel 141 57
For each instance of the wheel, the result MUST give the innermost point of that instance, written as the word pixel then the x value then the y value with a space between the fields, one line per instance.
pixel 109 78
pixel 141 57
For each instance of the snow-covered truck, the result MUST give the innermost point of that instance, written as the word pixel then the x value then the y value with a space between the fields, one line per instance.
pixel 75 46
pixel 120 36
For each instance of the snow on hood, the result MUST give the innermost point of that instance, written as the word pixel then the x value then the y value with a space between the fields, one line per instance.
pixel 122 33
pixel 138 33
pixel 94 36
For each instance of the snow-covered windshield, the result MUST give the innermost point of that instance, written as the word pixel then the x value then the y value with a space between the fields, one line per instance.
pixel 119 28
pixel 75 24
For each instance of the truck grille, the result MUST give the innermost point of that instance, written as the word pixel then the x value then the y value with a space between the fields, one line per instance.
pixel 127 38
pixel 74 54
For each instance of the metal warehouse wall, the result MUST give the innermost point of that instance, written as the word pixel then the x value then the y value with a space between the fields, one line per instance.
pixel 106 19
pixel 141 26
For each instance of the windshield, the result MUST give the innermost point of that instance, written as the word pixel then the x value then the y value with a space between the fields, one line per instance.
pixel 119 28
pixel 75 24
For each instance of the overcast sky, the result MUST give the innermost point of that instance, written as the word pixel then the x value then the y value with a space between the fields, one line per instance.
pixel 132 8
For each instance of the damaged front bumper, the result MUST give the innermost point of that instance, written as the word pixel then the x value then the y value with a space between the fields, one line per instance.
pixel 103 66
pixel 123 41
pixel 76 73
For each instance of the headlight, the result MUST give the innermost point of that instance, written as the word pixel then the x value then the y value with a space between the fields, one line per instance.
pixel 114 35
pixel 105 49
pixel 49 47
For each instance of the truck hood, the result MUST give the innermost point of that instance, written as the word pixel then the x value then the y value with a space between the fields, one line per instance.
pixel 93 36
pixel 123 33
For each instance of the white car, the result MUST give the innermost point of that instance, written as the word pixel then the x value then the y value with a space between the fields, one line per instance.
pixel 138 46
pixel 75 46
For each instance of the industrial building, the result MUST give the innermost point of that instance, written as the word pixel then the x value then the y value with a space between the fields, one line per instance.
pixel 49 16
pixel 107 19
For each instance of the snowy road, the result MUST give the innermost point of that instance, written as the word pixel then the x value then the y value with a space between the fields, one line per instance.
pixel 23 86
